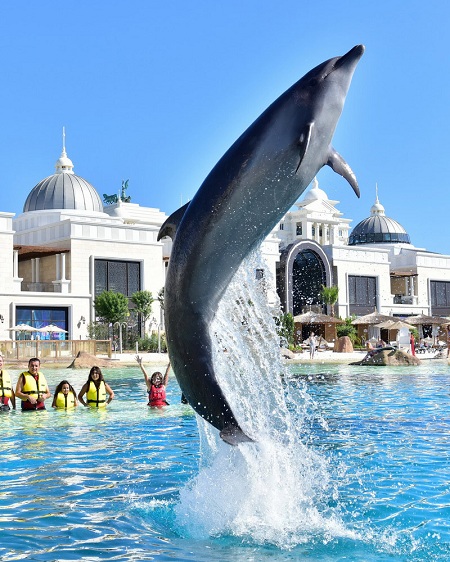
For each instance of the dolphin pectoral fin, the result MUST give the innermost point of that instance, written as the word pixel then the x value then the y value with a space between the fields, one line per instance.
pixel 303 142
pixel 234 435
pixel 340 166
pixel 170 226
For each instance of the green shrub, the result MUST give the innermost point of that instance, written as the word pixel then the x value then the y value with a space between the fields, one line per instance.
pixel 150 343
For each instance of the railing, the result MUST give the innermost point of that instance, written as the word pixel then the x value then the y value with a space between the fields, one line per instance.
pixel 53 349
pixel 405 299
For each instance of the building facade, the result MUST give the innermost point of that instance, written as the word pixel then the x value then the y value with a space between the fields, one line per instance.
pixel 66 248
pixel 375 266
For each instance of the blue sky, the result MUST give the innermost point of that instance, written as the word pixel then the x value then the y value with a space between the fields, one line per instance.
pixel 156 92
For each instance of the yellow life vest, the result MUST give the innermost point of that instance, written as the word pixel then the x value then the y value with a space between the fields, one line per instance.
pixel 96 397
pixel 5 384
pixel 31 386
pixel 65 401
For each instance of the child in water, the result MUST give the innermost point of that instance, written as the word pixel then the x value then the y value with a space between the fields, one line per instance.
pixel 95 389
pixel 156 386
pixel 65 397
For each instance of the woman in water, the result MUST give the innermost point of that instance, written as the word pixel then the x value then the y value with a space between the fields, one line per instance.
pixel 156 386
pixel 65 397
pixel 95 389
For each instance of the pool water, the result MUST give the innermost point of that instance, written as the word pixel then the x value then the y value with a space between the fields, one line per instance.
pixel 132 483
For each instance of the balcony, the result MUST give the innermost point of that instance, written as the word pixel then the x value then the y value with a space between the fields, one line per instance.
pixel 405 299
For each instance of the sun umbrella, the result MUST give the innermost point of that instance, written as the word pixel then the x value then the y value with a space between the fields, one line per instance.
pixel 22 328
pixel 316 318
pixel 372 318
pixel 424 319
pixel 52 328
pixel 392 325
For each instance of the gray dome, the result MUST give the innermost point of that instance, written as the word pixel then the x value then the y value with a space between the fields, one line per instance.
pixel 63 191
pixel 378 229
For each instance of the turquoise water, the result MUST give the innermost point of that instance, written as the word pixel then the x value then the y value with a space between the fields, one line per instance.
pixel 131 483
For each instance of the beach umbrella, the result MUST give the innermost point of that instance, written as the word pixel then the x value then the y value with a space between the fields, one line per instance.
pixel 372 318
pixel 52 328
pixel 421 319
pixel 316 318
pixel 394 325
pixel 23 328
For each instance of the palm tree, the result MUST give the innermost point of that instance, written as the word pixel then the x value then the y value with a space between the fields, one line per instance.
pixel 330 296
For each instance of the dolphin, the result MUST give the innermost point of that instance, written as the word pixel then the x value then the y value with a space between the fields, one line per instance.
pixel 242 199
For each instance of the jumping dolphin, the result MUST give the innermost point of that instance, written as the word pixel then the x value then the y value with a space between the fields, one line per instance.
pixel 248 191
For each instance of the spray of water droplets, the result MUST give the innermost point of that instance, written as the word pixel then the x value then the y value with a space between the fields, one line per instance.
pixel 275 490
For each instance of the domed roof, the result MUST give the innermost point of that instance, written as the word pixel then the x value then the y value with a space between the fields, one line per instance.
pixel 63 190
pixel 378 229
pixel 315 193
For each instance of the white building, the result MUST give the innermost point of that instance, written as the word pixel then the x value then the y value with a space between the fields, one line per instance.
pixel 66 248
pixel 375 267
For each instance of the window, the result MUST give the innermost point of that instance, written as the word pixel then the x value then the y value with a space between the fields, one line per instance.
pixel 119 276
pixel 440 294
pixel 299 229
pixel 40 316
pixel 362 294
pixel 281 226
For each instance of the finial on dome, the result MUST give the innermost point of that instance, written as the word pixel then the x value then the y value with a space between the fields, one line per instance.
pixel 64 163
pixel 377 207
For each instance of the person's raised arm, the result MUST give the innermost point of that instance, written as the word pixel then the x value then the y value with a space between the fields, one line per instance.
pixel 147 380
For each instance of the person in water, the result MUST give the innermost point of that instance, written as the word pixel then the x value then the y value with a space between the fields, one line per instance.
pixel 156 386
pixel 7 395
pixel 95 389
pixel 32 387
pixel 65 397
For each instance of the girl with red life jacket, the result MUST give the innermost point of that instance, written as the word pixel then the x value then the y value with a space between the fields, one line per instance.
pixel 156 386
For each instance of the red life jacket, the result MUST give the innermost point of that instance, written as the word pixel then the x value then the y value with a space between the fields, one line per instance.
pixel 157 396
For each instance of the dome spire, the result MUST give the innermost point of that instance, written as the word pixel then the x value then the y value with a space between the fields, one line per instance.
pixel 64 163
pixel 377 208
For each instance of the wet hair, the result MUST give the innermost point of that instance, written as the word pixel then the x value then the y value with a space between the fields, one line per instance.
pixel 95 369
pixel 59 388
pixel 34 359
pixel 153 377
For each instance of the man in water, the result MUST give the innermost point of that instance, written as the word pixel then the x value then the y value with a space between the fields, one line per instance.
pixel 32 387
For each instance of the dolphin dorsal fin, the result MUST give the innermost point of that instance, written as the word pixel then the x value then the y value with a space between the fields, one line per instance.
pixel 340 166
pixel 170 226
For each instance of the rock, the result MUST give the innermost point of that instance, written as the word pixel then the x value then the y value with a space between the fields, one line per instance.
pixel 389 356
pixel 343 345
pixel 287 353
pixel 85 360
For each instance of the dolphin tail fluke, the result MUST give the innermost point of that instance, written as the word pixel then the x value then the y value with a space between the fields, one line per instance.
pixel 340 166
pixel 234 435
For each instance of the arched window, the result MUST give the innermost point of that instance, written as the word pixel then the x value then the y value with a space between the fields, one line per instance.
pixel 308 276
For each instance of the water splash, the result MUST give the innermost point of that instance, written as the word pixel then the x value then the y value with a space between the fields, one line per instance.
pixel 275 490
